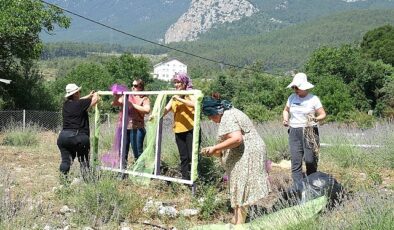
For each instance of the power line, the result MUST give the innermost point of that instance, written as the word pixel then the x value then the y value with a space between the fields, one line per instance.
pixel 152 42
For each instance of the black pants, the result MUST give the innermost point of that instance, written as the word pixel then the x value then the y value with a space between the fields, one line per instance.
pixel 73 144
pixel 184 142
pixel 301 149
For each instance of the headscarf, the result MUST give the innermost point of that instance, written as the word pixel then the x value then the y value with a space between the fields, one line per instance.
pixel 212 106
pixel 185 79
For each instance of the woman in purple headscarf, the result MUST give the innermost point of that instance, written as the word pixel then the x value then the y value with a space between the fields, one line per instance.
pixel 183 108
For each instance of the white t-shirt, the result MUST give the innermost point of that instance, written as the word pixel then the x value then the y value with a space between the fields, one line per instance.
pixel 300 107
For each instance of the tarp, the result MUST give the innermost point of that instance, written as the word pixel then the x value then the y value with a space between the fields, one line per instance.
pixel 281 219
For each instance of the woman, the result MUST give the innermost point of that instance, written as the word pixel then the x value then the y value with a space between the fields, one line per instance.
pixel 305 111
pixel 73 140
pixel 183 109
pixel 139 106
pixel 242 152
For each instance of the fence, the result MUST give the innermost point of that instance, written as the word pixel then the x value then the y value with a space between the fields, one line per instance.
pixel 48 120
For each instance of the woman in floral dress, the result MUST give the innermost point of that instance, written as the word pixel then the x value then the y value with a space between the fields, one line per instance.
pixel 242 152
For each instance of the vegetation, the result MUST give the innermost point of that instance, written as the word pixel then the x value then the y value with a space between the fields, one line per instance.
pixel 108 203
pixel 20 24
pixel 289 47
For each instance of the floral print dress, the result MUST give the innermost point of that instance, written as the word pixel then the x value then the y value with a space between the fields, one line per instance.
pixel 245 164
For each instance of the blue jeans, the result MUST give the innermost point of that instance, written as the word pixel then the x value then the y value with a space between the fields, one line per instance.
pixel 137 141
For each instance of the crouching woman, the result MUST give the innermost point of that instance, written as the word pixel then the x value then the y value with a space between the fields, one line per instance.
pixel 242 152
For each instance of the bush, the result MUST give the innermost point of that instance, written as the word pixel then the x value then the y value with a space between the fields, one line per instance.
pixel 16 136
pixel 103 202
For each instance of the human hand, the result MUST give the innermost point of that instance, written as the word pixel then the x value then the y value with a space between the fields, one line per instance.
pixel 285 123
pixel 211 151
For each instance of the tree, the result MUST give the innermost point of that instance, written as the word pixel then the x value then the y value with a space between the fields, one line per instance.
pixel 378 44
pixel 364 77
pixel 20 25
pixel 127 68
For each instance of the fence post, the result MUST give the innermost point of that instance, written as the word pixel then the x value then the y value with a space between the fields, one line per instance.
pixel 24 120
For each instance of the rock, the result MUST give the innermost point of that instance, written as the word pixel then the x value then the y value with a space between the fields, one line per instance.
pixel 189 212
pixel 76 181
pixel 65 209
pixel 168 211
pixel 152 206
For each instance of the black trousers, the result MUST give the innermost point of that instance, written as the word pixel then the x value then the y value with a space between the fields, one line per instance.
pixel 73 144
pixel 184 142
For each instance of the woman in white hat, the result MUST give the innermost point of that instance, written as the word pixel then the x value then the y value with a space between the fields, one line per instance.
pixel 73 140
pixel 301 114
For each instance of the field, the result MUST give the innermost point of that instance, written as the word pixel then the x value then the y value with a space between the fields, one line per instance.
pixel 33 197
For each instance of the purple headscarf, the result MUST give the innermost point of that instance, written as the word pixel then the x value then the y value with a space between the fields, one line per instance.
pixel 185 79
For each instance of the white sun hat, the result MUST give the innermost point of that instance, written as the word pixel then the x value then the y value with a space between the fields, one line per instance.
pixel 300 81
pixel 71 89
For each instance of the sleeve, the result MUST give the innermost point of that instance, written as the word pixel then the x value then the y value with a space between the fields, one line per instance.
pixel 85 103
pixel 289 100
pixel 317 103
pixel 228 123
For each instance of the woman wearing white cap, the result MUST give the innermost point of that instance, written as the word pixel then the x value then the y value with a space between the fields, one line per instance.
pixel 302 113
pixel 73 140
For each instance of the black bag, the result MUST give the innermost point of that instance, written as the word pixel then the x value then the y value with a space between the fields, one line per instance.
pixel 313 186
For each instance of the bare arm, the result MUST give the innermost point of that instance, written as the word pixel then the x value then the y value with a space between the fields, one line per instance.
pixel 321 114
pixel 285 114
pixel 232 140
pixel 190 103
pixel 168 107
pixel 95 99
pixel 145 108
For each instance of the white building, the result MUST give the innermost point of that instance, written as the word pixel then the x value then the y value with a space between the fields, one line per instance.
pixel 166 70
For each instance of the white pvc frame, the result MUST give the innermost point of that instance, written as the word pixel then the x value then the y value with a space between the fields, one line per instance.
pixel 156 172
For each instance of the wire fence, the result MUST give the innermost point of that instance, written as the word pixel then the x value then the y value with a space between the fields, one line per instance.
pixel 47 120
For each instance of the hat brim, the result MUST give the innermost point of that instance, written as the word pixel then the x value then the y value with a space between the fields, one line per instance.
pixel 302 86
pixel 72 92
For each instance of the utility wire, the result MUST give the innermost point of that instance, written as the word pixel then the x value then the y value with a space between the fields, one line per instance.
pixel 152 42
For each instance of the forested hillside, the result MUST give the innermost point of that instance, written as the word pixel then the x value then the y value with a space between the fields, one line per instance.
pixel 287 48
pixel 150 19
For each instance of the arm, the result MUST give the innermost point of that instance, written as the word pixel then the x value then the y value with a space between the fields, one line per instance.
pixel 187 102
pixel 285 114
pixel 232 140
pixel 95 99
pixel 321 114
pixel 168 107
pixel 145 108
pixel 90 95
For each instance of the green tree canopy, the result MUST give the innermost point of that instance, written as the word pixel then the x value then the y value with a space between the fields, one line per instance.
pixel 378 44
pixel 20 24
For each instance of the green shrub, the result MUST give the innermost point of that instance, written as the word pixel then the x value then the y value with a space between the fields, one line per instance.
pixel 16 136
pixel 103 202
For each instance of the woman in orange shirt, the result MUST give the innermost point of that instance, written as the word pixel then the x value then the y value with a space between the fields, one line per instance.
pixel 183 108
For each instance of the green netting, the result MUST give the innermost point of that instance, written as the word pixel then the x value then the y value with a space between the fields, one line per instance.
pixel 282 219
pixel 96 135
pixel 146 162
pixel 196 136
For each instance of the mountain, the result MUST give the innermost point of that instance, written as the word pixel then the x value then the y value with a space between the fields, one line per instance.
pixel 203 15
pixel 287 48
pixel 183 20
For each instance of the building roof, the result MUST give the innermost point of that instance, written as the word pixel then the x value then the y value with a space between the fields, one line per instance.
pixel 172 59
